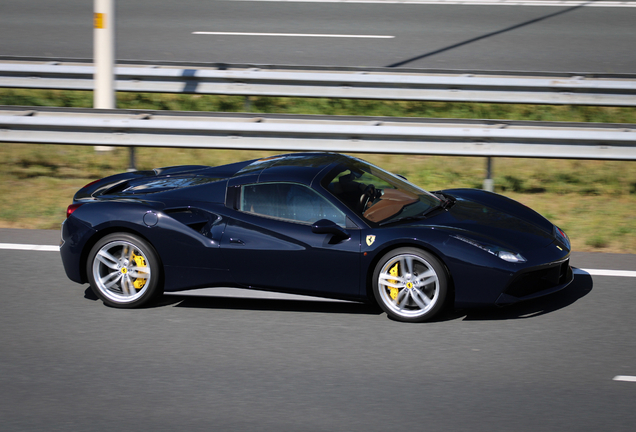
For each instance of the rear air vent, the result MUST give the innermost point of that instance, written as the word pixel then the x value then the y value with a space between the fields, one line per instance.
pixel 198 220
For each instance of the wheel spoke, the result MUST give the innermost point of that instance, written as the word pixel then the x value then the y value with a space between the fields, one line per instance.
pixel 426 276
pixel 428 281
pixel 390 281
pixel 405 297
pixel 130 255
pixel 107 259
pixel 111 279
pixel 408 265
pixel 420 298
pixel 129 288
pixel 123 285
pixel 139 273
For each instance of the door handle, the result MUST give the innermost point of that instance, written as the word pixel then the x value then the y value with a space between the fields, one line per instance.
pixel 237 241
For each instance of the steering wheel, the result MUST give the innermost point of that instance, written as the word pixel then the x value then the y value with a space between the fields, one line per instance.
pixel 368 195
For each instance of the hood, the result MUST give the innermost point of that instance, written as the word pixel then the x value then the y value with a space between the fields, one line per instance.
pixel 495 218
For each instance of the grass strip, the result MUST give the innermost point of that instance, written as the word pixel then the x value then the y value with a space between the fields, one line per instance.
pixel 324 106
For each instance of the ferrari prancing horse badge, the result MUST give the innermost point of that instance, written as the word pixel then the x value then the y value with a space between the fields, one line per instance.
pixel 370 240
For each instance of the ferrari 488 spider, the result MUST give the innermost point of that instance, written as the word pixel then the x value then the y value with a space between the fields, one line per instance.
pixel 320 224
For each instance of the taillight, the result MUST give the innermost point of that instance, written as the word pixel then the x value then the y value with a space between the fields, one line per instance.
pixel 70 209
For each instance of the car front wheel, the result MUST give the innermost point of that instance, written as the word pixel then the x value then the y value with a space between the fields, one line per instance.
pixel 124 270
pixel 410 284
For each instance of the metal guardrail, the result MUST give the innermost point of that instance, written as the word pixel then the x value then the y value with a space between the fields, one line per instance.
pixel 354 83
pixel 132 128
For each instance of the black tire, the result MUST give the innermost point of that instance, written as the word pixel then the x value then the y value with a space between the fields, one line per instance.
pixel 419 288
pixel 124 271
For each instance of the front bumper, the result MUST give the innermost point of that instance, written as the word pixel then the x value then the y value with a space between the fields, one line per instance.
pixel 536 282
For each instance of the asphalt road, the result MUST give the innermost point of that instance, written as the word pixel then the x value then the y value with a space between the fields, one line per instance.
pixel 567 39
pixel 201 363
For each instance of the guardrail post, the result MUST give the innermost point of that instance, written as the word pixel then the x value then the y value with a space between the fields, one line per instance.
pixel 489 183
pixel 131 166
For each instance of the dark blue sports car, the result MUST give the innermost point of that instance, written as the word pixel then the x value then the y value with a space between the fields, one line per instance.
pixel 320 224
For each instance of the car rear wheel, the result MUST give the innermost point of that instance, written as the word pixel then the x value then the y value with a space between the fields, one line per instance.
pixel 410 284
pixel 124 270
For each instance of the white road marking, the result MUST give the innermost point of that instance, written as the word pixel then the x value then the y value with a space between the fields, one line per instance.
pixel 294 35
pixel 626 378
pixel 598 272
pixel 29 247
pixel 549 3
pixel 578 271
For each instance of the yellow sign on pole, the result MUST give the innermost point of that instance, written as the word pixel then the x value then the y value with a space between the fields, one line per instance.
pixel 99 20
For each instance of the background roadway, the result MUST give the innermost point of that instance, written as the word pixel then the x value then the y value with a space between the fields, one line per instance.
pixel 203 363
pixel 564 39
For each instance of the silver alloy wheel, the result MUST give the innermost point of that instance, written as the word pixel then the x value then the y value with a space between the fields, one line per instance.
pixel 121 272
pixel 408 286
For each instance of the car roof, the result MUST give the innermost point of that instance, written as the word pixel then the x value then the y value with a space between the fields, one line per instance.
pixel 173 182
pixel 293 167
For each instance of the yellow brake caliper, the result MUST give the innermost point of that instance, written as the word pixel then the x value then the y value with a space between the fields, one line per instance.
pixel 141 262
pixel 394 272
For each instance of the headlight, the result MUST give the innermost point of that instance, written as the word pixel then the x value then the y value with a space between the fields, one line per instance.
pixel 504 254
pixel 510 256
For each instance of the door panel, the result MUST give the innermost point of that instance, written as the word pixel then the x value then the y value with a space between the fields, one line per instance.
pixel 275 254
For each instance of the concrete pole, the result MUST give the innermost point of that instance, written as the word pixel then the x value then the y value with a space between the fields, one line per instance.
pixel 104 56
pixel 489 182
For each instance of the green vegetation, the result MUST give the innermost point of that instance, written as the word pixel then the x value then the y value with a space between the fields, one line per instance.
pixel 593 201
pixel 184 102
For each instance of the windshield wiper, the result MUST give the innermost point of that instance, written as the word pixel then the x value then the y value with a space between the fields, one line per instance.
pixel 441 206
pixel 447 200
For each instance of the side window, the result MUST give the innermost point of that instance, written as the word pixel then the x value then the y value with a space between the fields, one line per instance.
pixel 288 201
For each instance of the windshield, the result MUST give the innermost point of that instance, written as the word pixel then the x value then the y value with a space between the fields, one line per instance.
pixel 377 195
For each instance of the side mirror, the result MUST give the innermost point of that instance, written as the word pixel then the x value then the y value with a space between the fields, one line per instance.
pixel 325 226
